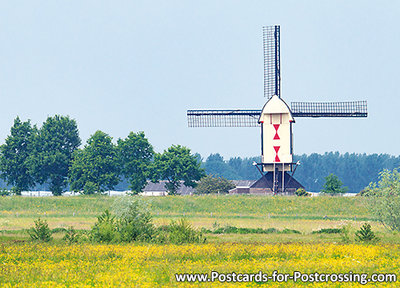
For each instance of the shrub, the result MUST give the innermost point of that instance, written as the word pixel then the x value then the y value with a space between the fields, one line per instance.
pixel 71 236
pixel 105 229
pixel 290 231
pixel 41 231
pixel 384 199
pixel 242 230
pixel 328 231
pixel 57 230
pixel 345 234
pixel 365 234
pixel 134 221
pixel 180 232
pixel 302 192
pixel 130 222
pixel 211 184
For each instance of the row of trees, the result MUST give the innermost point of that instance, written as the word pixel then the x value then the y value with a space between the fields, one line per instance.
pixel 52 155
pixel 355 170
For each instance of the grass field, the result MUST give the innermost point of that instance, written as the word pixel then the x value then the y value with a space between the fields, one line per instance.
pixel 24 263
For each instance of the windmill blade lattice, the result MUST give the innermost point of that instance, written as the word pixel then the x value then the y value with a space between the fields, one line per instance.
pixel 329 109
pixel 223 118
pixel 272 62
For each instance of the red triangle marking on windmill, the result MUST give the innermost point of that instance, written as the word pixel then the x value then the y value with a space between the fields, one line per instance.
pixel 276 126
pixel 276 151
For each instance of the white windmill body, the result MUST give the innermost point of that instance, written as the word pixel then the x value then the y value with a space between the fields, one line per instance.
pixel 276 135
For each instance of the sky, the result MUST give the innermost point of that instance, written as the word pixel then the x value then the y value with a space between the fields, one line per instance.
pixel 121 66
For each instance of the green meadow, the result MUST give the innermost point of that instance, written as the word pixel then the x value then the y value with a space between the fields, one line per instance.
pixel 303 214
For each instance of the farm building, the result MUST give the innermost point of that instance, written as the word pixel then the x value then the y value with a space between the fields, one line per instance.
pixel 259 187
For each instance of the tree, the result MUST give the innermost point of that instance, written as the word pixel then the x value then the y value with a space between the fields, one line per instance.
pixel 14 164
pixel 210 184
pixel 333 185
pixel 135 154
pixel 176 164
pixel 215 165
pixel 384 198
pixel 55 143
pixel 365 234
pixel 95 167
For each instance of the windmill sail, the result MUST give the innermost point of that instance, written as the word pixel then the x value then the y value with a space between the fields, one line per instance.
pixel 249 118
pixel 329 109
pixel 223 118
pixel 272 61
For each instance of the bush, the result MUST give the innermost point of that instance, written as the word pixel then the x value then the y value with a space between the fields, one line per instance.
pixel 131 221
pixel 41 231
pixel 134 221
pixel 345 234
pixel 328 231
pixel 181 231
pixel 302 192
pixel 105 229
pixel 71 236
pixel 58 230
pixel 384 199
pixel 365 234
pixel 210 184
pixel 242 230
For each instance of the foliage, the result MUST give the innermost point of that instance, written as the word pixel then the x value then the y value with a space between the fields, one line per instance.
pixel 215 165
pixel 355 170
pixel 105 229
pixel 41 231
pixel 134 221
pixel 228 229
pixel 176 164
pixel 54 145
pixel 345 234
pixel 333 185
pixel 384 199
pixel 130 222
pixel 301 192
pixel 4 192
pixel 365 234
pixel 71 235
pixel 95 168
pixel 135 154
pixel 328 231
pixel 14 155
pixel 210 184
pixel 181 231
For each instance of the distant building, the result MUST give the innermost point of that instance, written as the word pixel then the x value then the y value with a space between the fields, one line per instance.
pixel 263 186
pixel 158 189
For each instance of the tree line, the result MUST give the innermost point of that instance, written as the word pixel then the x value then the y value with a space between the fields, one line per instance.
pixel 356 171
pixel 52 155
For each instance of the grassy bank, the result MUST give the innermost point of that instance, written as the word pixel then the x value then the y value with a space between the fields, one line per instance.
pixel 210 205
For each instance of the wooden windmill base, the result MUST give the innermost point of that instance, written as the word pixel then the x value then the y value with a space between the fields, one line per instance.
pixel 265 185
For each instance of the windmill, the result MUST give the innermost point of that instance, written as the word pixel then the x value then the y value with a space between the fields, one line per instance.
pixel 276 120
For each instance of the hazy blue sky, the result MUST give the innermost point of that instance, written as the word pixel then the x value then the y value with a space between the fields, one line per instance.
pixel 122 66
